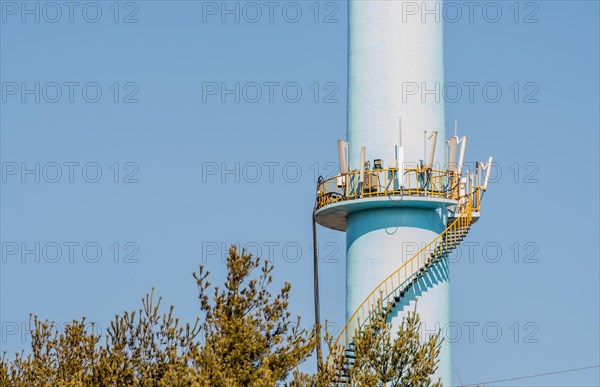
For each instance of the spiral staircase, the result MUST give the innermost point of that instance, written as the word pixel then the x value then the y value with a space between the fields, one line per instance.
pixel 393 288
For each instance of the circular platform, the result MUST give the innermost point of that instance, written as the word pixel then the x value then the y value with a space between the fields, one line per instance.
pixel 334 215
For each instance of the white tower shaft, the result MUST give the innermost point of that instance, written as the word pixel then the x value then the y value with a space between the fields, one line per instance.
pixel 396 71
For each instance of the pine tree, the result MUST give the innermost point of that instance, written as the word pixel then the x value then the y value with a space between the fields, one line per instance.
pixel 383 359
pixel 380 358
pixel 245 336
pixel 250 338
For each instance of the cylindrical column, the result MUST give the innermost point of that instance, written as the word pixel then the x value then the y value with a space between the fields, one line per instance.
pixel 395 71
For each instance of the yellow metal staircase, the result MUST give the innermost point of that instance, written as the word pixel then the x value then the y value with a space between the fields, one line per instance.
pixel 391 290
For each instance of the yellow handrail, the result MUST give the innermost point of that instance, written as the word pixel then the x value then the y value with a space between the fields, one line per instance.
pixel 384 182
pixel 392 284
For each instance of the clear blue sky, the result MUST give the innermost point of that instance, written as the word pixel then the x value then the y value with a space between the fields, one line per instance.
pixel 170 200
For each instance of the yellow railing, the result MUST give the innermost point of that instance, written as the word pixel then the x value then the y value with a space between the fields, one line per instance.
pixel 388 182
pixel 396 282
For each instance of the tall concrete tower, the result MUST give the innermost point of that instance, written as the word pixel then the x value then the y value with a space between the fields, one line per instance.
pixel 400 196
